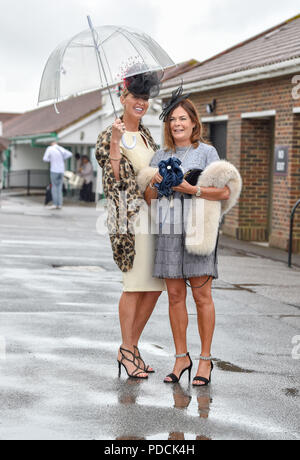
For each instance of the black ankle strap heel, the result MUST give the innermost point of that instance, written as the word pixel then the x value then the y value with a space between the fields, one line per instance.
pixel 173 377
pixel 137 371
pixel 203 379
pixel 144 366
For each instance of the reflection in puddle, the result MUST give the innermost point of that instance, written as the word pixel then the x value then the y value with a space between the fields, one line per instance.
pixel 229 367
pixel 130 390
pixel 79 268
pixel 181 398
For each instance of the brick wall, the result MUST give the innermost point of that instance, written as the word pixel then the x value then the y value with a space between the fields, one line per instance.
pixel 255 161
pixel 266 201
pixel 295 181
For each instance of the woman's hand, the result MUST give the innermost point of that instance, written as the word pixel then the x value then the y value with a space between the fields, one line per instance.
pixel 118 129
pixel 185 187
pixel 156 179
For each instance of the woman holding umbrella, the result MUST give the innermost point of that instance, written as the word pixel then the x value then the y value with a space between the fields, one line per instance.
pixel 133 252
pixel 96 58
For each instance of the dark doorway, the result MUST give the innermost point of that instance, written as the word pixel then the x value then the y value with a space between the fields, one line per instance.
pixel 218 137
pixel 257 160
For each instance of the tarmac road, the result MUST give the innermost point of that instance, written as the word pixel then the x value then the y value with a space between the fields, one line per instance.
pixel 59 335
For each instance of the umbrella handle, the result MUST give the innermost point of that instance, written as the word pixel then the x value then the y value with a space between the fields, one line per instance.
pixel 129 147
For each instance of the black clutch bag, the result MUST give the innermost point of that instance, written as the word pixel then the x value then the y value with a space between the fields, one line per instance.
pixel 192 176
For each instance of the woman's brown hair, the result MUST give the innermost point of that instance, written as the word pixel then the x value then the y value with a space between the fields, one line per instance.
pixel 191 110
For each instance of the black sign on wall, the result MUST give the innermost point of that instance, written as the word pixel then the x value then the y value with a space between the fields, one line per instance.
pixel 281 160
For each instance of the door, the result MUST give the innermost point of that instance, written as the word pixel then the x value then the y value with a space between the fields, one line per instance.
pixel 218 137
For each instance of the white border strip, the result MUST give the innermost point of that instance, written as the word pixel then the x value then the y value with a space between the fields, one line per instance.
pixel 216 118
pixel 264 113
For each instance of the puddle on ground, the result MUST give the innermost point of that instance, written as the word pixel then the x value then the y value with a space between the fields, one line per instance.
pixel 79 268
pixel 239 287
pixel 292 392
pixel 229 367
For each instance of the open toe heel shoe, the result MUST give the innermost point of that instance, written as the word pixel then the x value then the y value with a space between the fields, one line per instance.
pixel 136 373
pixel 203 379
pixel 173 377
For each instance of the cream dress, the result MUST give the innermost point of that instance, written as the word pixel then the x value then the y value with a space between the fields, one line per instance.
pixel 139 278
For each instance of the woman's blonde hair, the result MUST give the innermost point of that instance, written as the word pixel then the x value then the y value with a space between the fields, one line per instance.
pixel 196 137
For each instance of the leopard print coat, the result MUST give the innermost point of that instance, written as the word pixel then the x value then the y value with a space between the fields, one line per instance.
pixel 124 199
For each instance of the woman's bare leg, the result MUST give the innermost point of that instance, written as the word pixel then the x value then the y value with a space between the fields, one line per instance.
pixel 145 307
pixel 127 314
pixel 144 310
pixel 206 321
pixel 179 321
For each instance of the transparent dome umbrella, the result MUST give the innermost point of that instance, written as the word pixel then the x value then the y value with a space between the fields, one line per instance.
pixel 100 57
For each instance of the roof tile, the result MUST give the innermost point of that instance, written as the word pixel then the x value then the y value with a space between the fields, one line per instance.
pixel 46 120
pixel 275 45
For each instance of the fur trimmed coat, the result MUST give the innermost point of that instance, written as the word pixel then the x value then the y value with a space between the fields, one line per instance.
pixel 204 216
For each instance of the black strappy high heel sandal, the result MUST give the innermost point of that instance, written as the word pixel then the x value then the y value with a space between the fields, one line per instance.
pixel 173 377
pixel 203 379
pixel 146 368
pixel 138 370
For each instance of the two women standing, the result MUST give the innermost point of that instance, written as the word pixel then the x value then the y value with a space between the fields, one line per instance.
pixel 164 259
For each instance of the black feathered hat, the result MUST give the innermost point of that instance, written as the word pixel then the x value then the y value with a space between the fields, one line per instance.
pixel 145 84
pixel 176 98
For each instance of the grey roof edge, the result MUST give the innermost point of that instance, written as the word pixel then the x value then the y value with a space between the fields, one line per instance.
pixel 11 126
pixel 278 69
pixel 170 82
pixel 248 40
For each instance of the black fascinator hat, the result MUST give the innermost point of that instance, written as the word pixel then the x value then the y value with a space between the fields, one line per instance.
pixel 177 97
pixel 144 84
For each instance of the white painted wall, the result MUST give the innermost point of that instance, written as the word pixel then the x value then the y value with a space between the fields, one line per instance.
pixel 84 135
pixel 23 156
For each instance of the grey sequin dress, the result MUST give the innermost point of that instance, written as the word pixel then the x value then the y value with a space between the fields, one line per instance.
pixel 171 257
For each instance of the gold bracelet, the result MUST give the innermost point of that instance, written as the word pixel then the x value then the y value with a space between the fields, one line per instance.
pixel 152 186
pixel 115 159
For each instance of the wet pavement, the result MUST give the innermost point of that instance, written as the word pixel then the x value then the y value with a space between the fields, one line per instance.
pixel 59 335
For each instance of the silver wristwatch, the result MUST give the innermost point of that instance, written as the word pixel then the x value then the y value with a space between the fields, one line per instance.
pixel 198 191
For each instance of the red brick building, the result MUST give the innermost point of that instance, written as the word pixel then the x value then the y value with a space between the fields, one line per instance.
pixel 248 98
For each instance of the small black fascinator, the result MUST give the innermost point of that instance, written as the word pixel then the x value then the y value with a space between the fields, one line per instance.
pixel 144 84
pixel 177 97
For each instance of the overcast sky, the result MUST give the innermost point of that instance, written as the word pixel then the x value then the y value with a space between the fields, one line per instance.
pixel 31 29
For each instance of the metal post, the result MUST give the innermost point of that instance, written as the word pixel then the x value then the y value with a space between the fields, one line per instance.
pixel 28 182
pixel 99 61
pixel 100 64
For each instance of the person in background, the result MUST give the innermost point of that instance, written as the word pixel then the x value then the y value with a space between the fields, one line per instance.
pixel 87 172
pixel 78 162
pixel 56 156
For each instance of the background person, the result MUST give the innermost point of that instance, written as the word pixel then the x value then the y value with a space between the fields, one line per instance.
pixel 86 171
pixel 56 156
pixel 78 162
